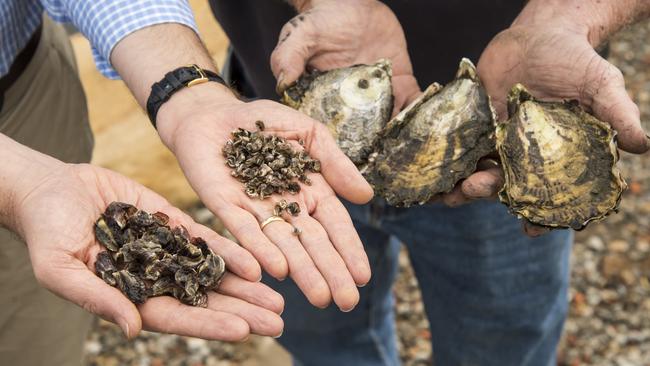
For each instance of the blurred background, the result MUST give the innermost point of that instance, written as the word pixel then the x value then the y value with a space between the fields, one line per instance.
pixel 609 322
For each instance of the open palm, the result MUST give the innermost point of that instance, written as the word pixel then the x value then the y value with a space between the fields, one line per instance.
pixel 327 261
pixel 56 220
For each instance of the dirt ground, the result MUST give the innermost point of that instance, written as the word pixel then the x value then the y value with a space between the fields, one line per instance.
pixel 609 320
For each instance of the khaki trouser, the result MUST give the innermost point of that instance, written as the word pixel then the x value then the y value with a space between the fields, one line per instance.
pixel 46 110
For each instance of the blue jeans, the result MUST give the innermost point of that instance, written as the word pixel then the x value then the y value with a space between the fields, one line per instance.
pixel 492 295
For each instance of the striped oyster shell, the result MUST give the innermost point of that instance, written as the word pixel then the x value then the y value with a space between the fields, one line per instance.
pixel 559 163
pixel 435 142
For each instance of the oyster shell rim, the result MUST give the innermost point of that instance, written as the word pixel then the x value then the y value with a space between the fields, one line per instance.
pixel 309 77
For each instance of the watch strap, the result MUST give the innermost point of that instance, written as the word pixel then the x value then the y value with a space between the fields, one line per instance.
pixel 186 76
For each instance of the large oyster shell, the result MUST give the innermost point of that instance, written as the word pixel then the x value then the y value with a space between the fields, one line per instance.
pixel 559 163
pixel 354 102
pixel 435 142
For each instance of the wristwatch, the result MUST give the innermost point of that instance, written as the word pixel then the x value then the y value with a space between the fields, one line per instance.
pixel 186 76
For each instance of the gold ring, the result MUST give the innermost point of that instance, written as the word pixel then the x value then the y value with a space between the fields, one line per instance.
pixel 270 220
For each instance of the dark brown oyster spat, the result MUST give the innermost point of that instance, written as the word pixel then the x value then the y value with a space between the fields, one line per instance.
pixel 267 164
pixel 353 102
pixel 292 208
pixel 559 163
pixel 145 257
pixel 435 142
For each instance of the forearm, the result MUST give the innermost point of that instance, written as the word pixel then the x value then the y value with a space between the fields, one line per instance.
pixel 596 19
pixel 21 169
pixel 145 56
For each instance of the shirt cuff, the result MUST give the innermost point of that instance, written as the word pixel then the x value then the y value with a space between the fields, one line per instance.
pixel 107 22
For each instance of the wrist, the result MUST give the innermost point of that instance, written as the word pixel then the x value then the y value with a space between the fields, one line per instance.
pixel 145 56
pixel 188 106
pixel 23 169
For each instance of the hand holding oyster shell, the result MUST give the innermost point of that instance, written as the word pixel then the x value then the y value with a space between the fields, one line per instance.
pixel 56 216
pixel 319 37
pixel 550 48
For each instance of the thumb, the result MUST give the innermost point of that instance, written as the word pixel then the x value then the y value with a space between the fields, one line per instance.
pixel 294 49
pixel 405 91
pixel 605 93
pixel 70 279
pixel 337 169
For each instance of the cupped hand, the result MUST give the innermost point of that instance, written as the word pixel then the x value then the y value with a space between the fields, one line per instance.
pixel 329 34
pixel 327 261
pixel 55 216
pixel 554 57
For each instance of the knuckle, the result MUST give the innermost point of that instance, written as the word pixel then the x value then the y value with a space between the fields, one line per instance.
pixel 614 73
pixel 245 228
pixel 277 302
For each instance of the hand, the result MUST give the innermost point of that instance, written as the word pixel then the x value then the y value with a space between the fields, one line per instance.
pixel 329 34
pixel 551 51
pixel 327 260
pixel 195 124
pixel 55 215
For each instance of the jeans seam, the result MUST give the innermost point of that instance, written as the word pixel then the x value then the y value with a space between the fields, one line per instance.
pixel 380 348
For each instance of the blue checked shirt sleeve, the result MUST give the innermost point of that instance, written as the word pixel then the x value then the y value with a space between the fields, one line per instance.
pixel 106 22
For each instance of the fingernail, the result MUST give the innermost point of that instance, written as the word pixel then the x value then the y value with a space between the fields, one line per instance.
pixel 347 311
pixel 279 335
pixel 125 328
pixel 363 285
pixel 280 85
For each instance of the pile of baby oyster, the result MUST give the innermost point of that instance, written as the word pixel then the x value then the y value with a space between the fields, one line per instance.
pixel 145 257
pixel 558 160
pixel 267 164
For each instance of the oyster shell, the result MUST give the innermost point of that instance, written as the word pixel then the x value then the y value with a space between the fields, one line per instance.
pixel 559 163
pixel 435 142
pixel 354 102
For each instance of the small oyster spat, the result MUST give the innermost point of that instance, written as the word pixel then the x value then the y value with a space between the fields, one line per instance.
pixel 292 208
pixel 435 142
pixel 354 102
pixel 145 257
pixel 559 163
pixel 267 164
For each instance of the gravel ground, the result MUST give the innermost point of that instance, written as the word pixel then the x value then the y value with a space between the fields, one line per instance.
pixel 609 320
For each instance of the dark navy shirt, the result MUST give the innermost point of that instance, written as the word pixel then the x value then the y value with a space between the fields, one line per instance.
pixel 438 32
